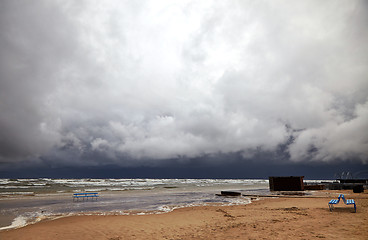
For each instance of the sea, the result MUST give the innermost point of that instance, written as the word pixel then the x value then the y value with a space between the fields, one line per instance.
pixel 27 201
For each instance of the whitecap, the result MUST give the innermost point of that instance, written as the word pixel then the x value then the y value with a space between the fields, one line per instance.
pixel 19 221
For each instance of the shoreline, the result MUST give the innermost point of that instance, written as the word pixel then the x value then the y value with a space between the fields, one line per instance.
pixel 16 222
pixel 23 210
pixel 132 212
pixel 275 218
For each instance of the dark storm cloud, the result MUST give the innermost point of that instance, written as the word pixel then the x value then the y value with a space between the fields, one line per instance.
pixel 124 83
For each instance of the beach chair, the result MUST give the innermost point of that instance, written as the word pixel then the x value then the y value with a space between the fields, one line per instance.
pixel 349 202
pixel 333 202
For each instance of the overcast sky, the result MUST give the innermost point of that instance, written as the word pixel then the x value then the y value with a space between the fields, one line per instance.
pixel 146 82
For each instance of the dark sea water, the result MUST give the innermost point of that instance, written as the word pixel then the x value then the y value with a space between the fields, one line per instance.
pixel 25 201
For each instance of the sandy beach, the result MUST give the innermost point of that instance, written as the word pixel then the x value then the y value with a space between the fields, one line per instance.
pixel 267 218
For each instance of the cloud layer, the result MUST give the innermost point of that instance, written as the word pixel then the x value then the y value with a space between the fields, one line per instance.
pixel 125 82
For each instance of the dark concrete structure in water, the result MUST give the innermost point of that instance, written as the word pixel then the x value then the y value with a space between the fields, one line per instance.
pixel 292 183
pixel 357 185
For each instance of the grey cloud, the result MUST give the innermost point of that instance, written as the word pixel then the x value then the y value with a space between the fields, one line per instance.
pixel 124 83
pixel 36 41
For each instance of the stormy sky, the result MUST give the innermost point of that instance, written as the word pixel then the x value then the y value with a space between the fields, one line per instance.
pixel 150 83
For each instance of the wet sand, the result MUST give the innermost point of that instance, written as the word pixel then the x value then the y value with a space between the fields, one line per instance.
pixel 268 218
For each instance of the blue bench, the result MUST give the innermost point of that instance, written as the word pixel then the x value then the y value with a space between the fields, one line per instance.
pixel 346 201
pixel 333 202
pixel 85 196
pixel 349 202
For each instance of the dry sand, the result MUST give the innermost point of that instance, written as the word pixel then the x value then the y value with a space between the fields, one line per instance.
pixel 269 218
